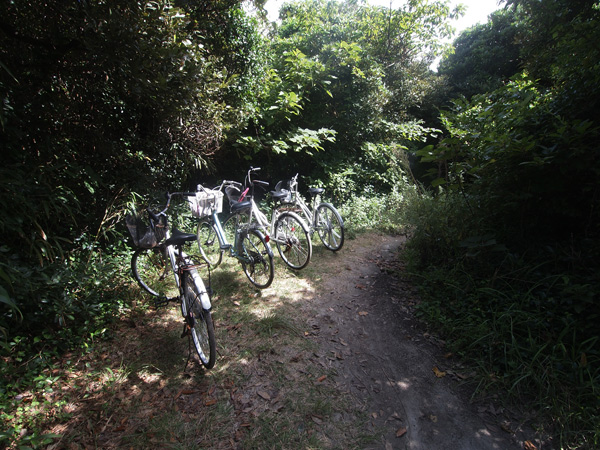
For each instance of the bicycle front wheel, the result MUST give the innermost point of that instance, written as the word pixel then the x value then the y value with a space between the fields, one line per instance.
pixel 330 226
pixel 151 269
pixel 208 243
pixel 199 321
pixel 257 259
pixel 293 240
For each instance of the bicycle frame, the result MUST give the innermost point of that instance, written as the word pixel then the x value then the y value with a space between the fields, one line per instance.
pixel 180 262
pixel 224 244
pixel 299 202
pixel 262 221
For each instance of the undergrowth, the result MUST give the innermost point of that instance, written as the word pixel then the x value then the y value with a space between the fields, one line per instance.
pixel 67 306
pixel 526 321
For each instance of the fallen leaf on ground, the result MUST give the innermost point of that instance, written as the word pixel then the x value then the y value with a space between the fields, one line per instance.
pixel 401 432
pixel 438 373
pixel 264 395
pixel 363 313
pixel 528 445
pixel 322 378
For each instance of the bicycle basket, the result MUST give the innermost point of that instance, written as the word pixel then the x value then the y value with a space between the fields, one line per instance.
pixel 206 202
pixel 146 235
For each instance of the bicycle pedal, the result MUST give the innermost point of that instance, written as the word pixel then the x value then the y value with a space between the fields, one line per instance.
pixel 160 302
pixel 226 247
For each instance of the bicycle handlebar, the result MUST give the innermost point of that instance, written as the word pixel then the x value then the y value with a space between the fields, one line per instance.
pixel 252 182
pixel 169 195
pixel 222 185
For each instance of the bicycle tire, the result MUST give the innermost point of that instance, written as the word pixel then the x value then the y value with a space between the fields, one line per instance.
pixel 292 238
pixel 233 223
pixel 257 259
pixel 329 226
pixel 151 269
pixel 208 243
pixel 199 320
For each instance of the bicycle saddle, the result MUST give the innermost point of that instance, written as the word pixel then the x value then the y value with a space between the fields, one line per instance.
pixel 179 238
pixel 315 191
pixel 241 206
pixel 280 195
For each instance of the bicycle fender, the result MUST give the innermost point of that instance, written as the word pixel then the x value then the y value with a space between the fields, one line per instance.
pixel 204 298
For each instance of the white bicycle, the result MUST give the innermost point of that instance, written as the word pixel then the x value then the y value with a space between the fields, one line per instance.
pixel 321 217
pixel 286 229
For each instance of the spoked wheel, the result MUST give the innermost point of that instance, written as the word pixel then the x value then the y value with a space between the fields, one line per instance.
pixel 330 226
pixel 293 240
pixel 200 322
pixel 257 259
pixel 233 223
pixel 151 269
pixel 208 243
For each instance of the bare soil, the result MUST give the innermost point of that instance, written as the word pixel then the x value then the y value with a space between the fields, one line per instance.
pixel 399 374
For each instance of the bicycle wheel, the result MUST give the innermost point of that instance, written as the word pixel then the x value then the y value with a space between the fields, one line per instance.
pixel 199 320
pixel 330 226
pixel 151 269
pixel 233 223
pixel 257 259
pixel 208 243
pixel 293 240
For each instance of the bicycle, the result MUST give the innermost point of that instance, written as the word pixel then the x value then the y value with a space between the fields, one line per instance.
pixel 160 252
pixel 250 247
pixel 288 230
pixel 321 217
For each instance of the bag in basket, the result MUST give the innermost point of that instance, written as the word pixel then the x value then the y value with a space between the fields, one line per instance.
pixel 146 235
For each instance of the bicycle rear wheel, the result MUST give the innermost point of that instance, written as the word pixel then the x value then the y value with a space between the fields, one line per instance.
pixel 199 320
pixel 208 243
pixel 151 269
pixel 257 259
pixel 330 226
pixel 293 240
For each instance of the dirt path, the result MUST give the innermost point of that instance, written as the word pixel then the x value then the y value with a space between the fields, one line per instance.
pixel 395 371
pixel 330 357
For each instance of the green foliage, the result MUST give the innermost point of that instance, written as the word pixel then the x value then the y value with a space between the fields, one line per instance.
pixel 341 69
pixel 507 252
pixel 484 57
pixel 512 153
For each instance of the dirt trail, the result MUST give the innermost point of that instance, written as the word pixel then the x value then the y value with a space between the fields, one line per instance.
pixel 394 370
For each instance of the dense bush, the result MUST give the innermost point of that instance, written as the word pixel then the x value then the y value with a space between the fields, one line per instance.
pixel 507 252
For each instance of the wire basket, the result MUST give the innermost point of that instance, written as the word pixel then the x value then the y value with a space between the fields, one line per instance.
pixel 146 235
pixel 206 202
